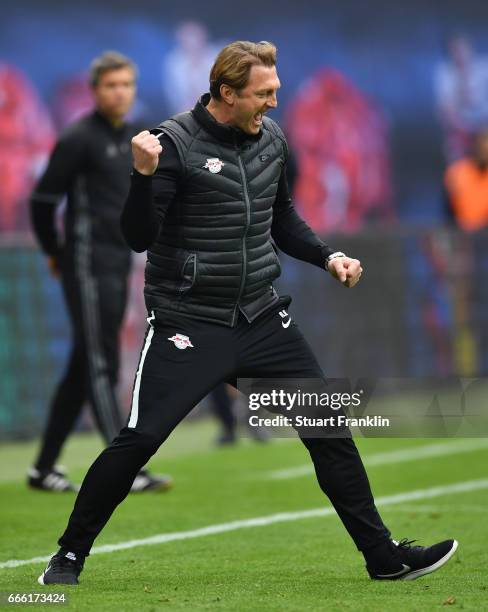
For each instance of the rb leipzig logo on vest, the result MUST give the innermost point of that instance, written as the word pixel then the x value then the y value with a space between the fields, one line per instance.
pixel 214 165
pixel 181 341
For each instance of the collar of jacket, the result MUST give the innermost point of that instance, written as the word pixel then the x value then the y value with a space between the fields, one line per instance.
pixel 101 118
pixel 221 131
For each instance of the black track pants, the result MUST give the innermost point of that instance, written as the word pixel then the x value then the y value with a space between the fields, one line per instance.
pixel 96 306
pixel 170 381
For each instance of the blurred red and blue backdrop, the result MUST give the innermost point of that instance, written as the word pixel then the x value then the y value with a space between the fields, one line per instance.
pixel 361 101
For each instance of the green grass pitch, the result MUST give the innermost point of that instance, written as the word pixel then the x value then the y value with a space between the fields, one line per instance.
pixel 305 564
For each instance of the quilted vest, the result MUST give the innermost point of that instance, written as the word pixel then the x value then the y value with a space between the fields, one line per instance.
pixel 213 256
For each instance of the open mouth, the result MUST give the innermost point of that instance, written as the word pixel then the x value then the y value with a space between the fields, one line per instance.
pixel 258 118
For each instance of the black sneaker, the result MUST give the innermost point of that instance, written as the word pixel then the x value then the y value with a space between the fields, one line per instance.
pixel 53 479
pixel 150 482
pixel 63 568
pixel 227 437
pixel 410 562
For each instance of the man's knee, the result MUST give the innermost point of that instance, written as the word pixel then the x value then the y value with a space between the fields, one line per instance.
pixel 330 444
pixel 140 443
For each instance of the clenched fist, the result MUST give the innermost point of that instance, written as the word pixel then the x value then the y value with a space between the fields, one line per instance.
pixel 346 270
pixel 146 149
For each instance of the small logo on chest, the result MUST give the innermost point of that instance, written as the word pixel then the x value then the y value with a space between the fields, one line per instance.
pixel 214 164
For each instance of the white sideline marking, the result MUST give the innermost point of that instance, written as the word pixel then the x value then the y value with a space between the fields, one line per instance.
pixel 263 521
pixel 396 456
pixel 418 508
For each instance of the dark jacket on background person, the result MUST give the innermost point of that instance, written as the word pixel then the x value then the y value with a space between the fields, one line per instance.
pixel 90 165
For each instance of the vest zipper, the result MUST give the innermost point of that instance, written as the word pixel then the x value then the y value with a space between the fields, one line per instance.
pixel 248 222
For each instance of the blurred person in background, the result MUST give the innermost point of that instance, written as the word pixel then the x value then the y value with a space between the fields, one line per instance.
pixel 186 67
pixel 230 408
pixel 461 89
pixel 466 186
pixel 466 190
pixel 91 166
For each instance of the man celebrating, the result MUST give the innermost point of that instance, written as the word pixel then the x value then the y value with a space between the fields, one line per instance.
pixel 90 164
pixel 208 192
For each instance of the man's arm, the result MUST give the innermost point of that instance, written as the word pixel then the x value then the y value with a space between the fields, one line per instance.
pixel 290 232
pixel 154 183
pixel 295 238
pixel 64 163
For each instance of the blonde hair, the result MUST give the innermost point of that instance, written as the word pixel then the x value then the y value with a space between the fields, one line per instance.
pixel 234 63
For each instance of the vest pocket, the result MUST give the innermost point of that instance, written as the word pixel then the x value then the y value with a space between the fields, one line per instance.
pixel 189 273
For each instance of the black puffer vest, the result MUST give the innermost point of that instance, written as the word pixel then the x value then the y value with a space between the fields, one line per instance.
pixel 213 256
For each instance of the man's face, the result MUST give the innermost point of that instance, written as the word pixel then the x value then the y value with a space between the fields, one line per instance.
pixel 115 91
pixel 255 99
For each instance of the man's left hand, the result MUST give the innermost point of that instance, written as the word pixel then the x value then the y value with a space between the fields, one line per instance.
pixel 346 270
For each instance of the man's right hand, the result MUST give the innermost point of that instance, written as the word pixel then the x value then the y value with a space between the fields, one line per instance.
pixel 146 149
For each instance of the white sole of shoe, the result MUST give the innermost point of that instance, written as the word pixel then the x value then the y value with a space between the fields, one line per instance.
pixel 432 568
pixel 40 580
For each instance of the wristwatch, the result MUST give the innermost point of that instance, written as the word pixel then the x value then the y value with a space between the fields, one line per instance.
pixel 333 256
